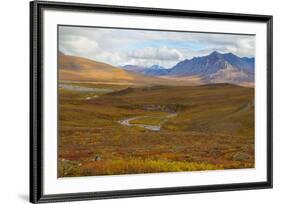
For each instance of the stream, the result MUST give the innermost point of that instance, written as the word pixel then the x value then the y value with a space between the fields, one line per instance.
pixel 126 122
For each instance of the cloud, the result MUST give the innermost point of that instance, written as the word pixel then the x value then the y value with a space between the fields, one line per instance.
pixel 145 48
pixel 155 53
pixel 79 46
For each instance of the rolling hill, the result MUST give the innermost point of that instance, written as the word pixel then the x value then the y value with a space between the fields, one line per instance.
pixel 73 68
pixel 78 68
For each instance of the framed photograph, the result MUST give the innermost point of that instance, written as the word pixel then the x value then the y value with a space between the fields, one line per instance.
pixel 131 101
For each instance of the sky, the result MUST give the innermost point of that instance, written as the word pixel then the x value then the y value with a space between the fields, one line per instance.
pixel 145 48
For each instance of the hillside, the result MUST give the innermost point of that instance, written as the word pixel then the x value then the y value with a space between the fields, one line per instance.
pixel 82 69
pixel 155 129
pixel 73 68
pixel 217 68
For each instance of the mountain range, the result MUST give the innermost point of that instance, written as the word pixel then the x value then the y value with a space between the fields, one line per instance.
pixel 213 68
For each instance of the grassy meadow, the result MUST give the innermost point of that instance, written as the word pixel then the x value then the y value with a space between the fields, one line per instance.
pixel 111 128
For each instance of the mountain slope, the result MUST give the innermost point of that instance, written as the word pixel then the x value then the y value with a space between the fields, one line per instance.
pixel 78 68
pixel 72 68
pixel 217 67
pixel 244 63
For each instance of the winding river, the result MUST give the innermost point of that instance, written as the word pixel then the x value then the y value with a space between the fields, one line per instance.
pixel 126 122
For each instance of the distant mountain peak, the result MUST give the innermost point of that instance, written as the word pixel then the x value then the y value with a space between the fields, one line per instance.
pixel 154 70
pixel 215 53
pixel 133 68
pixel 217 67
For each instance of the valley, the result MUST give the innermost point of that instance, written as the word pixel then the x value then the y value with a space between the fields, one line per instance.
pixel 136 101
pixel 107 129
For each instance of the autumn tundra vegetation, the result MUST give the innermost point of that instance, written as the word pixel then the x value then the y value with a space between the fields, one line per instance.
pixel 113 121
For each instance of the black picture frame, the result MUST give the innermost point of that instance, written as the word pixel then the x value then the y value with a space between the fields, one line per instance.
pixel 36 101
